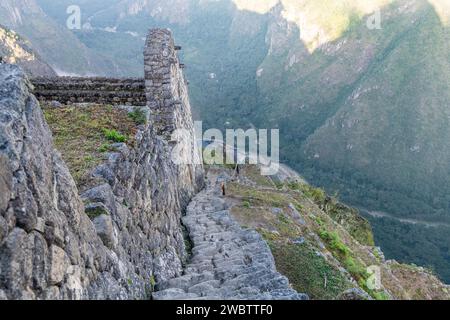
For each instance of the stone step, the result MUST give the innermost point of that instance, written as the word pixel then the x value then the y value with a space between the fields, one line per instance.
pixel 227 262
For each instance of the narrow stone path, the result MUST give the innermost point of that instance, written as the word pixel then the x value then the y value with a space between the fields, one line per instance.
pixel 227 262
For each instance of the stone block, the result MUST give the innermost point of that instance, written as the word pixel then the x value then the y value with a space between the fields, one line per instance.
pixel 105 230
pixel 58 265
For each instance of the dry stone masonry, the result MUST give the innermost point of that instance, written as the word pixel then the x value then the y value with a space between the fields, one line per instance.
pixel 49 248
pixel 123 235
pixel 65 90
pixel 165 84
pixel 168 99
pixel 227 261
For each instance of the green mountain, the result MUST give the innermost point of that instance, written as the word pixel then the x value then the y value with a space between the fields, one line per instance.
pixel 368 113
pixel 362 111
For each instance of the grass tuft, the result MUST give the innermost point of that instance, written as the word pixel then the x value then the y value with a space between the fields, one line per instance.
pixel 114 135
pixel 79 133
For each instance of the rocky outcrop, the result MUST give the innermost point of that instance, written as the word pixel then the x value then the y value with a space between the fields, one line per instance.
pixel 65 90
pixel 354 294
pixel 49 247
pixel 227 262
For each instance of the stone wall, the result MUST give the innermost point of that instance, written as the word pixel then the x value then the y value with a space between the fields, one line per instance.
pixel 93 90
pixel 165 85
pixel 49 247
pixel 168 100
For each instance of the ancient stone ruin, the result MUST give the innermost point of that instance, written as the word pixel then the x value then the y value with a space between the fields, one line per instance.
pixel 50 249
pixel 90 90
pixel 159 87
pixel 132 241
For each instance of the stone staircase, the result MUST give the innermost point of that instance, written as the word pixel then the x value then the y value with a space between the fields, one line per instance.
pixel 227 262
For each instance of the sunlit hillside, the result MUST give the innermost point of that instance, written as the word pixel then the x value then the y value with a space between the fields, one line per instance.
pixel 442 8
pixel 322 21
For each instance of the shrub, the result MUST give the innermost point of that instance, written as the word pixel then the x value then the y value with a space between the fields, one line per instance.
pixel 319 221
pixel 114 135
pixel 138 116
pixel 335 243
pixel 318 195
pixel 294 185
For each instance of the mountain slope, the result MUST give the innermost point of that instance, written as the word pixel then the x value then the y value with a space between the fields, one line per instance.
pixel 394 126
pixel 364 107
pixel 324 247
pixel 55 43
pixel 14 49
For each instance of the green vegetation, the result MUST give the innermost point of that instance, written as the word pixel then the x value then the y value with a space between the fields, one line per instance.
pixel 106 147
pixel 307 271
pixel 138 116
pixel 348 217
pixel 114 135
pixel 406 242
pixel 316 194
pixel 335 243
pixel 95 212
pixel 152 282
pixel 351 220
pixel 188 245
pixel 343 253
pixel 350 262
pixel 83 135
